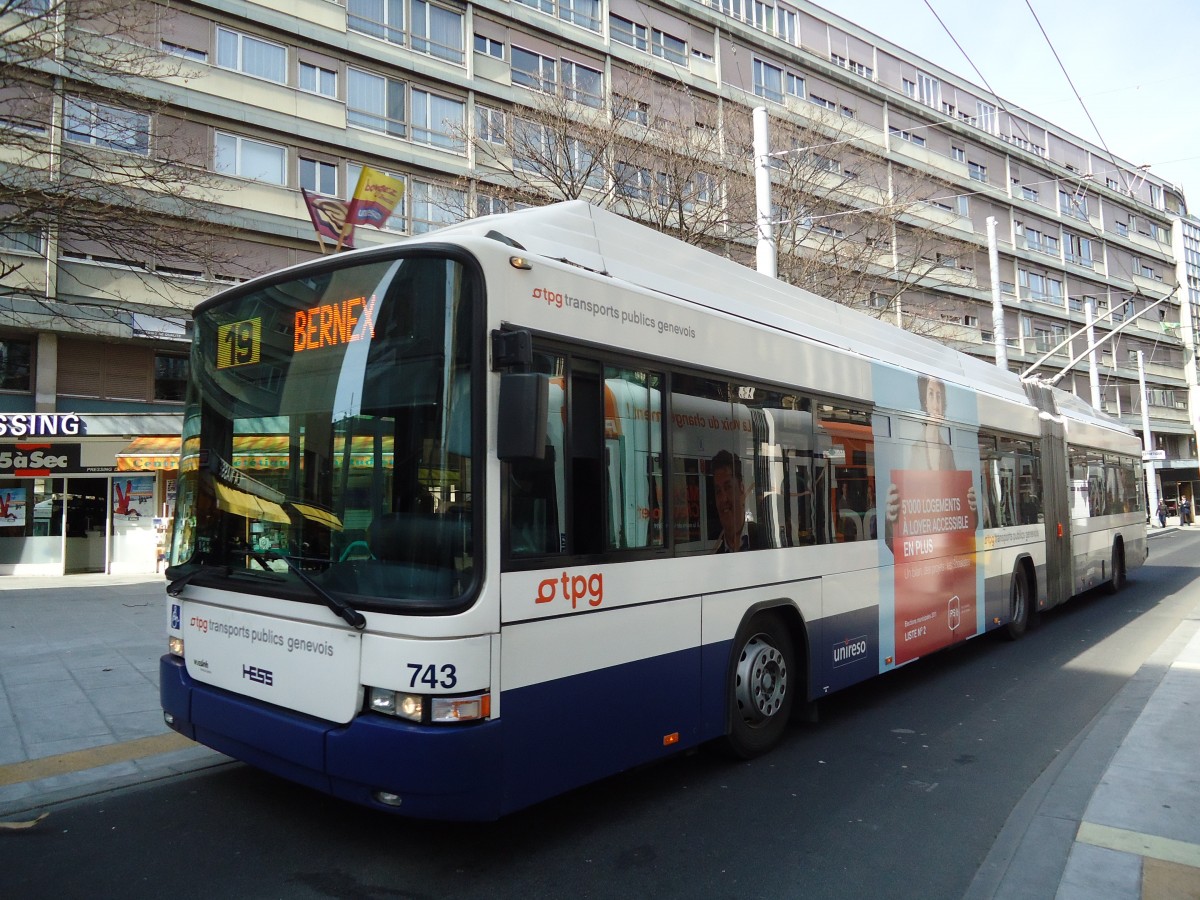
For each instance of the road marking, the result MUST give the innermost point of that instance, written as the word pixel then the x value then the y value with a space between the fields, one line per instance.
pixel 1141 844
pixel 81 760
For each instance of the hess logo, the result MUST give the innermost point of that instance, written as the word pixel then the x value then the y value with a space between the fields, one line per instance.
pixel 574 588
pixel 261 676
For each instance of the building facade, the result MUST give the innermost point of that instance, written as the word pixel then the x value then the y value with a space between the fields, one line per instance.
pixel 457 99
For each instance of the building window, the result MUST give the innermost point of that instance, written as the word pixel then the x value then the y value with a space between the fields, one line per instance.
pixel 171 374
pixel 489 124
pixel 487 205
pixel 378 18
pixel 581 84
pixel 795 85
pixel 958 154
pixel 1079 250
pixel 978 171
pixel 437 31
pixel 534 70
pixel 319 177
pixel 631 110
pixel 248 158
pixel 184 52
pixel 20 240
pixel 626 32
pixel 1122 228
pixel 584 13
pixel 1029 193
pixel 317 80
pixel 909 136
pixel 375 102
pixel 1074 205
pixel 633 181
pixel 489 46
pixel 438 121
pixel 110 127
pixel 435 205
pixel 251 56
pixel 929 90
pixel 16 365
pixel 669 47
pixel 985 116
pixel 964 204
pixel 768 81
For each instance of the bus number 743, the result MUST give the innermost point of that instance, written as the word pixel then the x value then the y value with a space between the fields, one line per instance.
pixel 428 674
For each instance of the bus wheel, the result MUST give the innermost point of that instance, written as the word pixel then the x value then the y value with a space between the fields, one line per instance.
pixel 1117 581
pixel 763 686
pixel 1019 605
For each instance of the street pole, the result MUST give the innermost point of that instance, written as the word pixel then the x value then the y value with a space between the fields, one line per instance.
pixel 762 193
pixel 998 335
pixel 1147 441
pixel 1089 308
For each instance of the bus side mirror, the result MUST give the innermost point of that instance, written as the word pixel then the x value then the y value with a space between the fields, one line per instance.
pixel 524 401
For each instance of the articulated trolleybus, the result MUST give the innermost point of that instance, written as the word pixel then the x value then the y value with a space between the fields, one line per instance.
pixel 475 518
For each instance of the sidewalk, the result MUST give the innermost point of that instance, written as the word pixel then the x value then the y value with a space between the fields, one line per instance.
pixel 1116 817
pixel 79 708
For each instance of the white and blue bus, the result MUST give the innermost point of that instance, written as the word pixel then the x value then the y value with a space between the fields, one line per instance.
pixel 480 516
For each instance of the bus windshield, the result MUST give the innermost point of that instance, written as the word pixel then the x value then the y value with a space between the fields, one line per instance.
pixel 327 437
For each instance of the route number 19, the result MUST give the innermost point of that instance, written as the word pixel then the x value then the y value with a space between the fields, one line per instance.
pixel 239 343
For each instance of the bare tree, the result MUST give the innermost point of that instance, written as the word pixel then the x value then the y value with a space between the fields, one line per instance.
pixel 93 164
pixel 849 224
pixel 852 226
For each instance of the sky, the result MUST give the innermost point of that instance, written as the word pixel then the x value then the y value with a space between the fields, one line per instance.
pixel 1131 63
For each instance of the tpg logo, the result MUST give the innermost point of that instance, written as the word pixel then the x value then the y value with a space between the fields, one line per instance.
pixel 261 676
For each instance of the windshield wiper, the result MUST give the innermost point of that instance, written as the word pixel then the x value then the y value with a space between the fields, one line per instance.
pixel 175 588
pixel 352 616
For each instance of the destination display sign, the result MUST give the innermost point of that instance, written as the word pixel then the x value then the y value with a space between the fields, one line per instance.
pixel 334 324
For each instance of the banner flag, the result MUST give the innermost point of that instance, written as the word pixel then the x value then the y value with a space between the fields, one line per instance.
pixel 376 195
pixel 328 216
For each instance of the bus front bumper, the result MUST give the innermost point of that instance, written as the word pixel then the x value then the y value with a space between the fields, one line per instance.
pixel 432 772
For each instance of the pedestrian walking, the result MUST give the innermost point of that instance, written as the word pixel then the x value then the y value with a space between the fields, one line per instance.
pixel 1162 513
pixel 1185 512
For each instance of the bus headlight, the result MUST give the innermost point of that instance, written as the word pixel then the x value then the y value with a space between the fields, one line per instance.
pixel 175 645
pixel 395 703
pixel 415 707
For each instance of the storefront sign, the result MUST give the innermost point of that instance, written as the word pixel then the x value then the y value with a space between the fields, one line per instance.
pixel 36 460
pixel 27 425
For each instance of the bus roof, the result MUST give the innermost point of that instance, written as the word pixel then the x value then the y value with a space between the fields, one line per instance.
pixel 585 235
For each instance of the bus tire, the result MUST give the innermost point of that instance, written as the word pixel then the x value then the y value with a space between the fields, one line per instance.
pixel 1020 605
pixel 762 687
pixel 1117 580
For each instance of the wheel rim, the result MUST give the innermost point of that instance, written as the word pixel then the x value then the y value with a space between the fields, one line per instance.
pixel 761 680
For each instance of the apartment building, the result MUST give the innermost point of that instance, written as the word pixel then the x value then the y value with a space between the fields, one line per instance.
pixel 277 96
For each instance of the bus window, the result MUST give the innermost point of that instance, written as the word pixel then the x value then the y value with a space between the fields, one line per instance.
pixel 534 487
pixel 851 485
pixel 633 456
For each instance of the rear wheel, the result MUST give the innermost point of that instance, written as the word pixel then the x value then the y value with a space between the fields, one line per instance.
pixel 1117 580
pixel 1019 605
pixel 762 686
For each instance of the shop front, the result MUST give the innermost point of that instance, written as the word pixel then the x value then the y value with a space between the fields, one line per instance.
pixel 86 492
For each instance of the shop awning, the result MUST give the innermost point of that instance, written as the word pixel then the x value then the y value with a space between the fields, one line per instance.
pixel 150 453
pixel 249 506
pixel 318 515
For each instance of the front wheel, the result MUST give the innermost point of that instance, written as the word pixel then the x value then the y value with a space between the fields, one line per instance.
pixel 762 686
